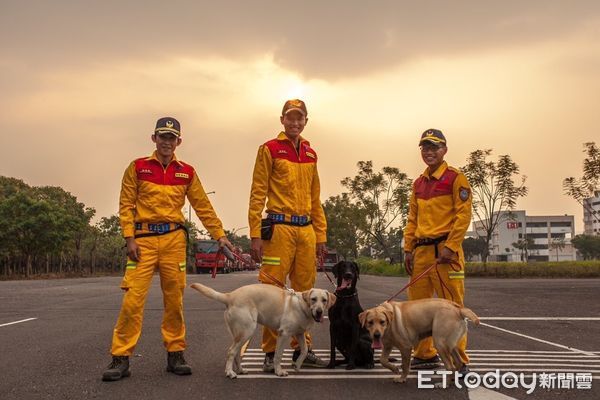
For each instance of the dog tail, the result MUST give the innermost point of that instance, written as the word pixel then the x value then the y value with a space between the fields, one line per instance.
pixel 211 293
pixel 467 313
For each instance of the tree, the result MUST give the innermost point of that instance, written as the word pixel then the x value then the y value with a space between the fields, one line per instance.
pixel 241 241
pixel 524 245
pixel 474 247
pixel 588 246
pixel 33 226
pixel 383 198
pixel 345 225
pixel 494 190
pixel 76 216
pixel 585 187
pixel 557 244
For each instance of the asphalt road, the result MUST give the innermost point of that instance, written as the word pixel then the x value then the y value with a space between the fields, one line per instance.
pixel 61 351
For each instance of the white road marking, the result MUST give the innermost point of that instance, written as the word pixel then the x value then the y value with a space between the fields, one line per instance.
pixel 540 318
pixel 538 340
pixel 482 361
pixel 17 322
pixel 482 393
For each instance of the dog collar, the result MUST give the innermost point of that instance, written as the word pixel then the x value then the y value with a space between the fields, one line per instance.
pixel 339 296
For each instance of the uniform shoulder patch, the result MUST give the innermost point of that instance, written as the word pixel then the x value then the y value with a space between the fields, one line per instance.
pixel 464 193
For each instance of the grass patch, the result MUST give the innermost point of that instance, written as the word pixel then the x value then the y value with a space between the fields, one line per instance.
pixel 538 269
pixel 370 266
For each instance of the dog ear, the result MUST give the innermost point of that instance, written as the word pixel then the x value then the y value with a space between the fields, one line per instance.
pixel 388 311
pixel 357 269
pixel 306 296
pixel 362 318
pixel 336 269
pixel 331 299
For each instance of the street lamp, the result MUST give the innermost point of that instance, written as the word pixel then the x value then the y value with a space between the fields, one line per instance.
pixel 238 229
pixel 190 207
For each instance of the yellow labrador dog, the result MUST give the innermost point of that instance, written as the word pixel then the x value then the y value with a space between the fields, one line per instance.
pixel 289 313
pixel 404 324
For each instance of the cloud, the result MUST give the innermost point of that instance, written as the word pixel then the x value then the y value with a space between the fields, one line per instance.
pixel 323 40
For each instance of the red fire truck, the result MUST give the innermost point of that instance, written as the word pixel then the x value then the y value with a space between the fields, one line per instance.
pixel 330 259
pixel 209 259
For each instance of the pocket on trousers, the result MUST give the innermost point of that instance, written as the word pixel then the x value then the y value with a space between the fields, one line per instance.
pixel 266 229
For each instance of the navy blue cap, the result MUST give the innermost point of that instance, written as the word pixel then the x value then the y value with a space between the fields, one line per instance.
pixel 168 125
pixel 434 136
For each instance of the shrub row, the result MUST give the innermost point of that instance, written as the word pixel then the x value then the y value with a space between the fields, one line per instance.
pixel 538 269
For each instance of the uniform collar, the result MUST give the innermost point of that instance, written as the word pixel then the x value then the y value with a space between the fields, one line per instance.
pixel 153 156
pixel 282 136
pixel 438 173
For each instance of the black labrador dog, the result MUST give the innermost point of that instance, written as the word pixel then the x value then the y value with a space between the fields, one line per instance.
pixel 345 331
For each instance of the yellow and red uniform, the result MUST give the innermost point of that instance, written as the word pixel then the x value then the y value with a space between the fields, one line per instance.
pixel 155 194
pixel 288 180
pixel 440 205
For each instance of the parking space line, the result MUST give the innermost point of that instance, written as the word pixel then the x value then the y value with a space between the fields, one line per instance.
pixel 557 362
pixel 482 393
pixel 538 340
pixel 17 322
pixel 539 318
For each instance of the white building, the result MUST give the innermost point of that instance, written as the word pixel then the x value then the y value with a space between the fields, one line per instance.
pixel 550 234
pixel 591 215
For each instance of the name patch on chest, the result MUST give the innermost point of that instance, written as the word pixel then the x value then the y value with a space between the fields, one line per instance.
pixel 182 175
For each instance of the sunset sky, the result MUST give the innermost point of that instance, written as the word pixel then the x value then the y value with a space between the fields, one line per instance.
pixel 82 84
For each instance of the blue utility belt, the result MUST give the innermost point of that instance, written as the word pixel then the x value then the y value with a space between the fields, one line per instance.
pixel 159 228
pixel 295 220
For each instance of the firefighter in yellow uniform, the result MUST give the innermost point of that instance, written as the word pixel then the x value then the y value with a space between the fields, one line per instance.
pixel 153 193
pixel 439 216
pixel 294 230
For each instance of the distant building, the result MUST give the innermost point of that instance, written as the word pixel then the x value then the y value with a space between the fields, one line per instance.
pixel 550 237
pixel 591 215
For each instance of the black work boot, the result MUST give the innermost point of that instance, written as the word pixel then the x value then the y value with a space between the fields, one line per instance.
pixel 176 363
pixel 117 369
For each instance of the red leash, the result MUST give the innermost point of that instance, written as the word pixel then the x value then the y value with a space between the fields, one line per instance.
pixel 322 267
pixel 276 281
pixel 413 280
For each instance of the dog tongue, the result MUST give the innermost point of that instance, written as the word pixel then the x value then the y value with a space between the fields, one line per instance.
pixel 345 283
pixel 376 343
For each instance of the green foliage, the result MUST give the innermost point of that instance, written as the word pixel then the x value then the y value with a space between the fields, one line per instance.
pixel 370 266
pixel 45 230
pixel 474 247
pixel 241 241
pixel 494 190
pixel 346 223
pixel 561 269
pixel 524 245
pixel 585 187
pixel 588 246
pixel 383 201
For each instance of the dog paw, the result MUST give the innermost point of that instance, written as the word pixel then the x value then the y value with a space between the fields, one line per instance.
pixel 400 379
pixel 242 371
pixel 281 373
pixel 331 365
pixel 370 366
pixel 350 367
pixel 231 375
